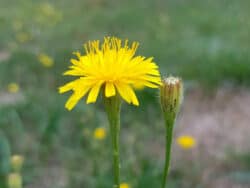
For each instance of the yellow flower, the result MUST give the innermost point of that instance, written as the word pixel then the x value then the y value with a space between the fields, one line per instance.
pixel 46 60
pixel 186 142
pixel 13 87
pixel 23 37
pixel 47 14
pixel 124 185
pixel 99 133
pixel 14 180
pixel 112 67
pixel 47 9
pixel 17 162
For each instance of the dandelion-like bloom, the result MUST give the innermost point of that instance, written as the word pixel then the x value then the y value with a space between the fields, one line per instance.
pixel 99 133
pixel 113 67
pixel 23 37
pixel 45 60
pixel 14 180
pixel 17 162
pixel 124 185
pixel 13 87
pixel 186 142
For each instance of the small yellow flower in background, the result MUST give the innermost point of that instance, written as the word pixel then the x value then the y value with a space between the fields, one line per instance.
pixel 47 9
pixel 111 67
pixel 13 87
pixel 17 162
pixel 45 60
pixel 99 133
pixel 124 185
pixel 14 180
pixel 47 14
pixel 23 37
pixel 186 142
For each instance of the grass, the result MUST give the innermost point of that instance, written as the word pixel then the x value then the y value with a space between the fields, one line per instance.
pixel 204 42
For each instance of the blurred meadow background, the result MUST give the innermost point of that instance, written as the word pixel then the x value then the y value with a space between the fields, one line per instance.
pixel 206 42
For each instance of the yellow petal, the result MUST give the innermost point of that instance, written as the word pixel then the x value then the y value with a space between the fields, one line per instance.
pixel 94 93
pixel 153 72
pixel 149 84
pixel 77 95
pixel 151 79
pixel 122 91
pixel 75 62
pixel 78 54
pixel 109 90
pixel 68 86
pixel 138 85
pixel 133 96
pixel 127 93
pixel 73 73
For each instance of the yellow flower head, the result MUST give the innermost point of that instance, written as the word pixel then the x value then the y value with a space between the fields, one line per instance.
pixel 48 14
pixel 23 37
pixel 46 60
pixel 47 9
pixel 17 162
pixel 124 185
pixel 14 180
pixel 13 87
pixel 186 142
pixel 113 67
pixel 99 133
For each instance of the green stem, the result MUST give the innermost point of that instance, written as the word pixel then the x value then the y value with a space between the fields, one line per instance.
pixel 3 181
pixel 169 122
pixel 113 106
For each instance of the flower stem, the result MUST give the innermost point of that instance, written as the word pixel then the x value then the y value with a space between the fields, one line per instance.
pixel 113 106
pixel 169 122
pixel 3 181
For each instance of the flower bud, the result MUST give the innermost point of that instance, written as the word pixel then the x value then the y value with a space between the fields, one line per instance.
pixel 171 97
pixel 17 162
pixel 171 94
pixel 14 180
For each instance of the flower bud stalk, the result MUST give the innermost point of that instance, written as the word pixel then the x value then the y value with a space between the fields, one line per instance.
pixel 170 97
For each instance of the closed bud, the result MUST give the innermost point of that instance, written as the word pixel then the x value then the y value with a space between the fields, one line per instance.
pixel 17 162
pixel 171 94
pixel 14 180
